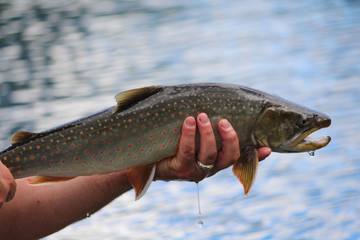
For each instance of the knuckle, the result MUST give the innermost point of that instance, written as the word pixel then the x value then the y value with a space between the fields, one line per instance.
pixel 188 150
pixel 210 156
pixel 231 136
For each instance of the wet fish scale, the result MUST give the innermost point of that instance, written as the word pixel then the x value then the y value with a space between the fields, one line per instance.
pixel 144 128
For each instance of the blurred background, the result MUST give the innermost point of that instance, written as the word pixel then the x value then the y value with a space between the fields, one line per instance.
pixel 61 60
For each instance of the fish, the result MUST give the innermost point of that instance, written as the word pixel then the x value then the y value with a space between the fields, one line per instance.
pixel 144 127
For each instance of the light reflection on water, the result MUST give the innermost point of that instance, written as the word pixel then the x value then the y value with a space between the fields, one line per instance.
pixel 63 60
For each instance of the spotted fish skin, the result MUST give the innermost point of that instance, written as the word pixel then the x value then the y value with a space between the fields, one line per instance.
pixel 140 131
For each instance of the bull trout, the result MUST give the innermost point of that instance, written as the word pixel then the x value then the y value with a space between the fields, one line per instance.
pixel 145 126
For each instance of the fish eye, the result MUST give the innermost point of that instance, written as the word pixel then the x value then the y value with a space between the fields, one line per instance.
pixel 302 122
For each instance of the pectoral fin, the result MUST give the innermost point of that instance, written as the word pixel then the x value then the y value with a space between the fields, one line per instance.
pixel 141 178
pixel 245 168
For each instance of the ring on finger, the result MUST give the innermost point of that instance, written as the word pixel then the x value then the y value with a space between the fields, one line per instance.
pixel 204 166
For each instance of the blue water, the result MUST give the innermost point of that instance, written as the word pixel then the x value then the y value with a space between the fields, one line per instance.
pixel 61 60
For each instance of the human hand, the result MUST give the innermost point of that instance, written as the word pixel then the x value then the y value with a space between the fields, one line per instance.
pixel 184 164
pixel 7 185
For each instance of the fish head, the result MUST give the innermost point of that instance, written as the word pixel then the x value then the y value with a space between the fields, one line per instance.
pixel 286 128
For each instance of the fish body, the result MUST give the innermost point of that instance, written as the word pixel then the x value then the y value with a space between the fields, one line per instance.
pixel 145 127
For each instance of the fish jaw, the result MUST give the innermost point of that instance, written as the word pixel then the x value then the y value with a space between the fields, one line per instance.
pixel 303 143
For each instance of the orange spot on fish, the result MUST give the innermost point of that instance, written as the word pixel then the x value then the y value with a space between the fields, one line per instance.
pixel 66 152
pixel 129 120
pixel 102 152
pixel 142 149
pixel 247 119
pixel 129 146
pixel 32 157
pixel 180 113
pixel 148 114
pixel 129 154
pixel 124 134
pixel 103 141
pixel 240 123
pixel 86 151
pixel 109 153
pixel 94 156
pixel 165 119
pixel 72 146
pixel 155 126
pixel 143 126
pixel 150 150
pixel 162 145
pixel 47 147
pixel 172 115
pixel 134 157
pixel 104 133
pixel 156 114
pixel 44 158
pixel 151 136
pixel 28 167
pixel 171 141
pixel 62 161
pixel 134 130
pixel 86 141
pixel 139 141
pixel 51 162
pixel 76 158
pixel 110 141
pixel 214 108
pixel 84 161
pixel 118 124
pixel 57 150
pixel 79 145
pixel 38 165
pixel 95 141
pixel 164 133
pixel 110 160
pixel 175 130
pixel 118 149
pixel 110 128
pixel 91 163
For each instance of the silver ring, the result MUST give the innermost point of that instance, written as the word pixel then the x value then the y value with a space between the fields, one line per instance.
pixel 205 167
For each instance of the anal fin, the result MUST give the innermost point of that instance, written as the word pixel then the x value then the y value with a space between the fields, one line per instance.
pixel 46 180
pixel 245 167
pixel 141 178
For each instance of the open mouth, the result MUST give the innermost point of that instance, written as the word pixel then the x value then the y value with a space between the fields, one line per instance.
pixel 304 143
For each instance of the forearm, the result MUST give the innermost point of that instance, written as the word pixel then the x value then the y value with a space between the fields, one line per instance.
pixel 41 210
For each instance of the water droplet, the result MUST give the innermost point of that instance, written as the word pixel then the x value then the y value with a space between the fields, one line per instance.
pixel 312 153
pixel 200 223
pixel 88 214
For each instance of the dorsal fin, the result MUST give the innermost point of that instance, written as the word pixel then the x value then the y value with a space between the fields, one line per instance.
pixel 128 98
pixel 21 136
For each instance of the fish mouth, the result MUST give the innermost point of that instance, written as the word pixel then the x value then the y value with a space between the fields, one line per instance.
pixel 304 143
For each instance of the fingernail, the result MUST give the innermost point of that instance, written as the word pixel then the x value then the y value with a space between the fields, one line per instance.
pixel 225 124
pixel 190 122
pixel 203 119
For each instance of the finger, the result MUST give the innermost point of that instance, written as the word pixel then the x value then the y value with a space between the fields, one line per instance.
pixel 186 150
pixel 230 146
pixel 7 185
pixel 180 166
pixel 263 153
pixel 207 150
